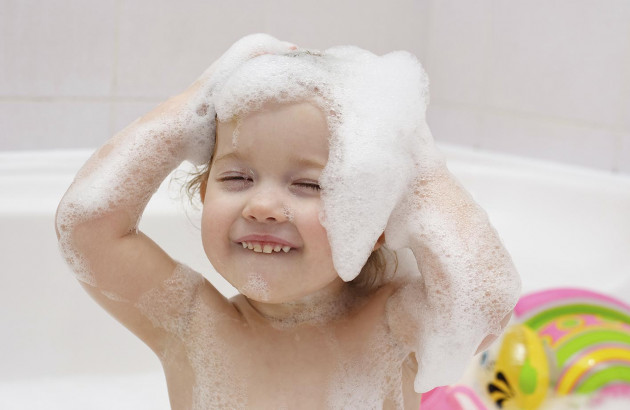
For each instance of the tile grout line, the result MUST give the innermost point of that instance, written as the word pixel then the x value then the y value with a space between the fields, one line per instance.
pixel 74 98
pixel 526 115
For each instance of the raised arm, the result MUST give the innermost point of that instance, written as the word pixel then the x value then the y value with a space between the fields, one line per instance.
pixel 97 219
pixel 468 284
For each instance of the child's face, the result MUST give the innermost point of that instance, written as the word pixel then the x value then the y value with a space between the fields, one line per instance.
pixel 263 190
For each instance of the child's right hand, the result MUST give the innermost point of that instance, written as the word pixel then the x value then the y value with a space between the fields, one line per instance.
pixel 193 109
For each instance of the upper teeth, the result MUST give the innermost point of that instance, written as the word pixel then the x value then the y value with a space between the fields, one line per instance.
pixel 265 248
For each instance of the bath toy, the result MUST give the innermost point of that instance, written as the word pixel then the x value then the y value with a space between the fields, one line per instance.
pixel 566 341
pixel 519 376
pixel 587 333
pixel 458 397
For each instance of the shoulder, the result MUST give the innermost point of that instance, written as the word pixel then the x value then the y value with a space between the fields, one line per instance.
pixel 184 301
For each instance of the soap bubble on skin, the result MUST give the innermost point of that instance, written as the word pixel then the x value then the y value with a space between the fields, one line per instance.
pixel 456 307
pixel 175 307
pixel 288 213
pixel 114 178
pixel 169 304
pixel 117 182
pixel 366 378
pixel 317 310
pixel 256 288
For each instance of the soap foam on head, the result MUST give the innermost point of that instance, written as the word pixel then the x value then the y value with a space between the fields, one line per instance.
pixel 370 102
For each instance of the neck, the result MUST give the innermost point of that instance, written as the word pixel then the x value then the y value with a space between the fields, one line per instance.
pixel 323 306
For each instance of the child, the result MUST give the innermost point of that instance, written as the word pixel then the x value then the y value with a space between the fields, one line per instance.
pixel 314 162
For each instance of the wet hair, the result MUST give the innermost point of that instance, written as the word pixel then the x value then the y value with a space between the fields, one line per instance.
pixel 373 274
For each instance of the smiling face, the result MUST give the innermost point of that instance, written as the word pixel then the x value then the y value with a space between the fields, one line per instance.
pixel 260 221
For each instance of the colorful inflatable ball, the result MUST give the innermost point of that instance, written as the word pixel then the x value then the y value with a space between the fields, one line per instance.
pixel 565 342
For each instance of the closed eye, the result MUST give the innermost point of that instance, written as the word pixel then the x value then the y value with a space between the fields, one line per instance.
pixel 235 178
pixel 309 185
pixel 235 182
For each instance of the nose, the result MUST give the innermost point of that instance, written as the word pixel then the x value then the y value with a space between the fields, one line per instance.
pixel 265 206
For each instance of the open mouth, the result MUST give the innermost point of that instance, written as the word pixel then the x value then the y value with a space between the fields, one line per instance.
pixel 265 247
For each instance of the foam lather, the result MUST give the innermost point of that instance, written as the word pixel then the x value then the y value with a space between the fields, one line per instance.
pixel 375 107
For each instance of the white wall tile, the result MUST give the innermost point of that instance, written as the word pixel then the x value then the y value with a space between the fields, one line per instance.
pixel 624 112
pixel 623 157
pixel 50 48
pixel 458 48
pixel 455 125
pixel 53 125
pixel 549 139
pixel 155 60
pixel 563 58
pixel 164 45
pixel 125 112
pixel 377 26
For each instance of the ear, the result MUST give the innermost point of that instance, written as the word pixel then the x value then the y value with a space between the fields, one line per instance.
pixel 379 242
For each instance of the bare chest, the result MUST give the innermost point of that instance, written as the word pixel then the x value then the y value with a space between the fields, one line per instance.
pixel 248 363
pixel 243 365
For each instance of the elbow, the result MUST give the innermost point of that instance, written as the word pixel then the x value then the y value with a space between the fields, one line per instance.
pixel 58 222
pixel 76 221
pixel 61 219
pixel 74 229
pixel 66 219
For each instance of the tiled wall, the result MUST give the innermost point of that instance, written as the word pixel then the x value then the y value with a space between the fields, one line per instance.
pixel 547 79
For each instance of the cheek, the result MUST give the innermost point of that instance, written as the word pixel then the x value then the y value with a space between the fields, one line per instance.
pixel 217 207
pixel 208 235
pixel 215 225
pixel 313 231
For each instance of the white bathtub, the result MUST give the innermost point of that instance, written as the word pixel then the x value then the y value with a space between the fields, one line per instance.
pixel 563 225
